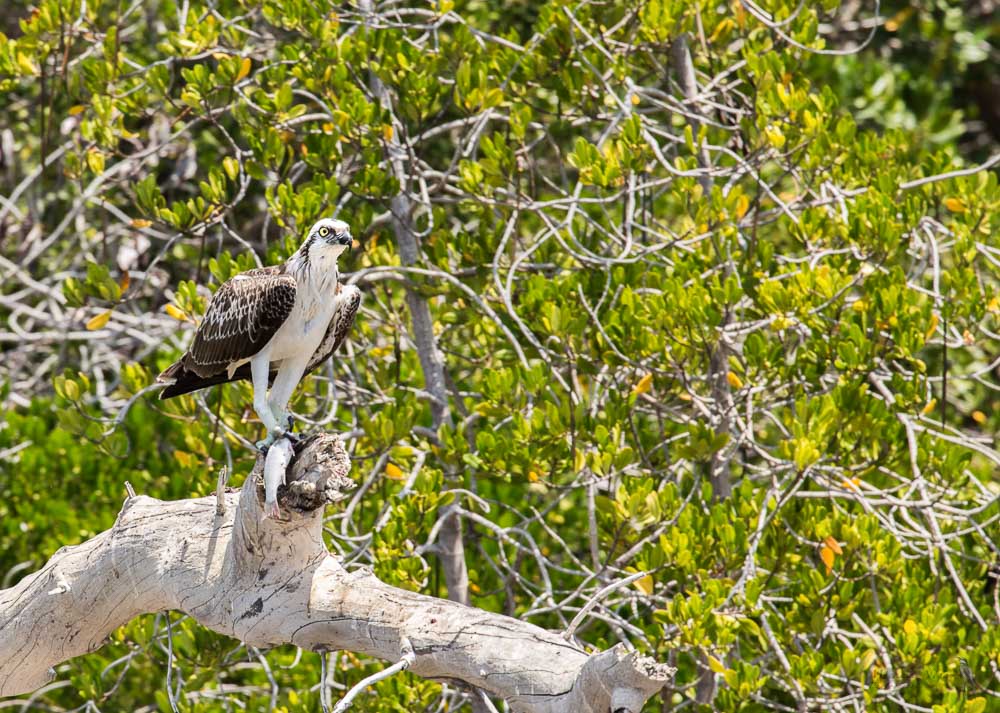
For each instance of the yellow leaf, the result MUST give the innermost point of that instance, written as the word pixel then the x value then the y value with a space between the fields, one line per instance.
pixel 579 460
pixel 979 417
pixel 893 23
pixel 860 306
pixel 826 554
pixel 125 282
pixel 25 64
pixel 98 321
pixel 95 159
pixel 735 381
pixel 185 459
pixel 244 69
pixel 643 385
pixel 232 167
pixel 141 223
pixel 532 476
pixel 176 313
pixel 832 543
pixel 910 626
pixel 968 338
pixel 635 99
pixel 955 205
pixel 715 664
pixel 852 483
pixel 78 109
pixel 741 16
pixel 742 205
pixel 993 305
pixel 931 329
pixel 775 136
pixel 71 389
pixel 387 132
pixel 929 407
pixel 644 584
pixel 722 28
pixel 393 472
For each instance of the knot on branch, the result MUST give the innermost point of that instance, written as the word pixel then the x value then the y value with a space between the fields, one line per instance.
pixel 316 474
pixel 621 681
pixel 269 582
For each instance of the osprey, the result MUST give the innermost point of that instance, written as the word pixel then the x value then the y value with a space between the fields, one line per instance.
pixel 272 325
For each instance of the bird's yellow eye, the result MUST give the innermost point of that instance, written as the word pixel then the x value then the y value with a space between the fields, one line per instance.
pixel 324 231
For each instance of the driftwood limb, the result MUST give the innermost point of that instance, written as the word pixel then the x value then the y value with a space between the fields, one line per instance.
pixel 269 582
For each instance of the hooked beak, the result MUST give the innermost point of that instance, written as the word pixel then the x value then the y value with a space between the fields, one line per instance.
pixel 344 239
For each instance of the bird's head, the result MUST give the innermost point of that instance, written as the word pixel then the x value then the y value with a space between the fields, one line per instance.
pixel 329 237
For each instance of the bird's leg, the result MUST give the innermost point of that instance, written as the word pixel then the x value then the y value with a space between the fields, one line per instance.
pixel 288 378
pixel 259 370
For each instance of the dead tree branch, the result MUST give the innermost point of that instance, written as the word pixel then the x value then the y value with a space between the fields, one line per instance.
pixel 269 582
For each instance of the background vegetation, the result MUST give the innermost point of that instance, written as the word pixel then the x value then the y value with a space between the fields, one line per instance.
pixel 715 288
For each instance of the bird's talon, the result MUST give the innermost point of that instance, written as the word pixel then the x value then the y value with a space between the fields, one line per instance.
pixel 272 436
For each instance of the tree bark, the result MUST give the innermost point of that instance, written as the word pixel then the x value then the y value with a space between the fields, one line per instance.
pixel 719 470
pixel 451 544
pixel 269 582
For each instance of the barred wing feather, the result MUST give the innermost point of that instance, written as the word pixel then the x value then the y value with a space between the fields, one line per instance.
pixel 244 314
pixel 349 298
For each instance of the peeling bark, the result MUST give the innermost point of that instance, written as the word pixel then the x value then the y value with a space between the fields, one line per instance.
pixel 269 582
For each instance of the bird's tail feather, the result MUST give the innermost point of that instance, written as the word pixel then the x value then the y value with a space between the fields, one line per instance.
pixel 169 375
pixel 183 381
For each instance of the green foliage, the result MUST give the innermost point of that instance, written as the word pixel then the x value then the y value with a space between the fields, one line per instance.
pixel 814 313
pixel 75 491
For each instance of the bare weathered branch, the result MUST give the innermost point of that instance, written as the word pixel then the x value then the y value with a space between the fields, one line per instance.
pixel 269 582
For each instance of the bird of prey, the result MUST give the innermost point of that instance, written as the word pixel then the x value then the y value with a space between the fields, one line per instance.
pixel 271 326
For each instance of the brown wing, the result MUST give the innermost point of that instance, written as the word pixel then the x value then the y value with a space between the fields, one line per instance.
pixel 349 299
pixel 180 381
pixel 242 317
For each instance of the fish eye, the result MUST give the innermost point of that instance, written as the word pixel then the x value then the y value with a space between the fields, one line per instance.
pixel 324 231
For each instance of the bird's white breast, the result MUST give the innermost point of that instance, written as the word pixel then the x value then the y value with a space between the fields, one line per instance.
pixel 303 331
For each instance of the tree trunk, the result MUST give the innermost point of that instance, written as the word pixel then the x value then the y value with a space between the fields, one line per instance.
pixel 719 471
pixel 269 582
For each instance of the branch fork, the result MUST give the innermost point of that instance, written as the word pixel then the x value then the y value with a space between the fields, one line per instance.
pixel 269 582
